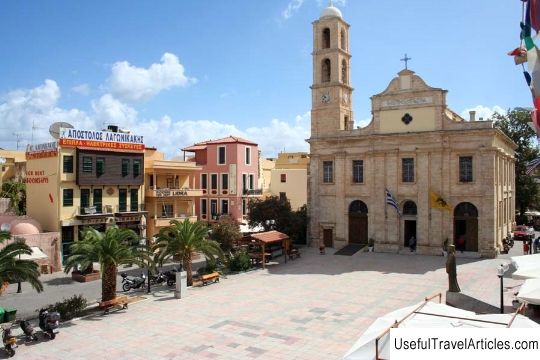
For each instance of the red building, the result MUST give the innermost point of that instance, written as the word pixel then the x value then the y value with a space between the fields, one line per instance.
pixel 229 177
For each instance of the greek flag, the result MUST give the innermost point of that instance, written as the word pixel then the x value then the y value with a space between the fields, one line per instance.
pixel 390 200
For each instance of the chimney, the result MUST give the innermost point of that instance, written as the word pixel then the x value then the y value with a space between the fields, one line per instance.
pixel 472 115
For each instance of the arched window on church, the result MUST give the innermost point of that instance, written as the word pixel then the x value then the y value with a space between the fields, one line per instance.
pixel 325 70
pixel 343 40
pixel 326 38
pixel 344 74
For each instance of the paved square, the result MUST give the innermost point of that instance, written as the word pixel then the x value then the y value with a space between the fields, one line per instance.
pixel 311 308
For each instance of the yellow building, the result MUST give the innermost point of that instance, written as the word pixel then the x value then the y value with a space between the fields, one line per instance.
pixel 265 169
pixel 12 165
pixel 289 178
pixel 169 190
pixel 86 178
pixel 448 177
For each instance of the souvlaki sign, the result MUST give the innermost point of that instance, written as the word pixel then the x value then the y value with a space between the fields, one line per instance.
pixel 100 139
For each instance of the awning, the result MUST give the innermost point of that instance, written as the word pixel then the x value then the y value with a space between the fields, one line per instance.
pixel 36 254
pixel 530 291
pixel 527 272
pixel 428 315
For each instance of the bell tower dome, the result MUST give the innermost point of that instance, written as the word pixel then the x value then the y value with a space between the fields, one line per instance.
pixel 331 91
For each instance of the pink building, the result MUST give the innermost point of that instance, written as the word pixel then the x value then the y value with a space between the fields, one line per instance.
pixel 229 177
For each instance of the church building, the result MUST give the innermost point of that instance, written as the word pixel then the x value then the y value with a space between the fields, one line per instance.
pixel 418 170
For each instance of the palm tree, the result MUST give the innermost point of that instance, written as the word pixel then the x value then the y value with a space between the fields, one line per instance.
pixel 13 269
pixel 110 249
pixel 183 239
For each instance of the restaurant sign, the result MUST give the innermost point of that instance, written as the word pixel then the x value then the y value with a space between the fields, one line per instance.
pixel 170 192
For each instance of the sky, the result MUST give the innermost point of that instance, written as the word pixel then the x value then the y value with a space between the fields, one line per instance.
pixel 178 72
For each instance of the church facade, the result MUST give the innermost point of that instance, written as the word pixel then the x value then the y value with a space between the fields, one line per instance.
pixel 418 170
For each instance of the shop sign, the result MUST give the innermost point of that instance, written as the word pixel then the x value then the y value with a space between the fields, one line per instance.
pixel 100 139
pixel 169 192
pixel 38 151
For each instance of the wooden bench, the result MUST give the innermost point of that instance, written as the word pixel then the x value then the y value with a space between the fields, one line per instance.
pixel 212 277
pixel 120 302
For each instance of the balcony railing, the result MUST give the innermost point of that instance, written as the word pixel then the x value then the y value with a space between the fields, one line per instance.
pixel 253 192
pixel 108 209
pixel 167 192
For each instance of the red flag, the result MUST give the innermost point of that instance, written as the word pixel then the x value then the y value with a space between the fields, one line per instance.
pixel 518 51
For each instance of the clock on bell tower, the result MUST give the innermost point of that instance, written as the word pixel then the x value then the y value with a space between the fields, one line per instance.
pixel 331 93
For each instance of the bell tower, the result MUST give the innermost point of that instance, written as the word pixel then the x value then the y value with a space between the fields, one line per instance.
pixel 331 92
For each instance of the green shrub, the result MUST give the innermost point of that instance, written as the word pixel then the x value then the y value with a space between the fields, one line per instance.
pixel 70 308
pixel 239 261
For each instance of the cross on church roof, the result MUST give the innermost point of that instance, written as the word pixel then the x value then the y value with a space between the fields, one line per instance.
pixel 406 59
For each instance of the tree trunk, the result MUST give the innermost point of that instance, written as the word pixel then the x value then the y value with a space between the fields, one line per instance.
pixel 108 283
pixel 186 259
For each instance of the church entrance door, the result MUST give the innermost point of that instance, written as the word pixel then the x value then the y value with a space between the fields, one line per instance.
pixel 358 222
pixel 409 231
pixel 466 227
pixel 327 238
pixel 409 212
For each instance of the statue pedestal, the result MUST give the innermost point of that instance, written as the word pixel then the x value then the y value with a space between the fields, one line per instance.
pixel 181 289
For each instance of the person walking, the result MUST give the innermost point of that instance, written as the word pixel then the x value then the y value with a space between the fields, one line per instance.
pixel 412 243
pixel 525 247
pixel 536 245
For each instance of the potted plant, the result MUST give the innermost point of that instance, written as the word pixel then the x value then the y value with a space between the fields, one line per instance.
pixel 445 247
pixel 371 244
pixel 88 274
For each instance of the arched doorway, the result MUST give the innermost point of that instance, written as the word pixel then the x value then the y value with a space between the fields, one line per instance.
pixel 466 227
pixel 409 221
pixel 358 222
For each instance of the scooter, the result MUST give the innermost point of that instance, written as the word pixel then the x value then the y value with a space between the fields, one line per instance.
pixel 132 282
pixel 10 341
pixel 28 330
pixel 49 322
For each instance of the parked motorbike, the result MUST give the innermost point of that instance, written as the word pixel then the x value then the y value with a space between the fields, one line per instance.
pixel 28 330
pixel 132 282
pixel 10 341
pixel 49 322
pixel 160 278
pixel 171 277
pixel 508 243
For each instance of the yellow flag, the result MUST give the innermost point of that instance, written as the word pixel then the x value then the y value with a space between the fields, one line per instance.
pixel 437 202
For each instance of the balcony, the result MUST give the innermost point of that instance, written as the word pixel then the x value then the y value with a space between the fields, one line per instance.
pixel 165 221
pixel 252 192
pixel 166 192
pixel 107 211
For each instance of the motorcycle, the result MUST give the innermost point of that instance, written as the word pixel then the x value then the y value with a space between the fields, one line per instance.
pixel 10 341
pixel 28 330
pixel 160 278
pixel 507 243
pixel 49 322
pixel 171 277
pixel 132 282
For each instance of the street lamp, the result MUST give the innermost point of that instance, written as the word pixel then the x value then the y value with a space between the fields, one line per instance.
pixel 501 269
pixel 270 223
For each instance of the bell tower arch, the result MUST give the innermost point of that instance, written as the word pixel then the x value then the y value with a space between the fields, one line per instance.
pixel 331 92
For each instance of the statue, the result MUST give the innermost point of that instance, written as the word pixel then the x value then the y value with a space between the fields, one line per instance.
pixel 451 270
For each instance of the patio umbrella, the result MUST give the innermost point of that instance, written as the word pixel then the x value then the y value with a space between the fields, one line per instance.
pixel 37 254
pixel 526 260
pixel 426 317
pixel 530 291
pixel 527 272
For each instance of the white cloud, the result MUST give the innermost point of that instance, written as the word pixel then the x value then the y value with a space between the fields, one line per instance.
pixel 280 135
pixel 108 110
pixel 336 2
pixel 363 123
pixel 483 112
pixel 82 89
pixel 292 8
pixel 22 109
pixel 131 83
